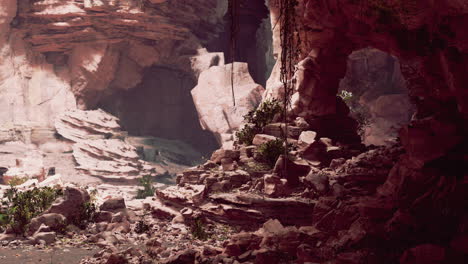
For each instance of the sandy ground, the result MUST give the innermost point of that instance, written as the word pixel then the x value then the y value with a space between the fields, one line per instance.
pixel 47 256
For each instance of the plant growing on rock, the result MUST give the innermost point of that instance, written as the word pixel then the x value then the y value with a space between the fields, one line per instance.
pixel 18 208
pixel 264 114
pixel 198 230
pixel 271 150
pixel 15 181
pixel 142 227
pixel 148 190
pixel 87 214
pixel 247 134
pixel 257 119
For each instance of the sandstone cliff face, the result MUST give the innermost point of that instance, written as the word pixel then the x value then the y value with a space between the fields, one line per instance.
pixel 24 78
pixel 430 45
pixel 427 37
pixel 64 54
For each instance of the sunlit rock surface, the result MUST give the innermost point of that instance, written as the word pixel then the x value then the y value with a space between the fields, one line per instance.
pixel 221 109
pixel 95 151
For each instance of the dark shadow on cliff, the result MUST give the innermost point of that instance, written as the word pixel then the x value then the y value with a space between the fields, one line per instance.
pixel 161 106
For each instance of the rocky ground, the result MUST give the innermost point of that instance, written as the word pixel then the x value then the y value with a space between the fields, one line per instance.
pixel 334 203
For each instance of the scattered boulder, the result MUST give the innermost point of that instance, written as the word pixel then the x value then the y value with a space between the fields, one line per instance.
pixel 185 257
pixel 104 216
pixel 279 130
pixel 113 204
pixel 318 181
pixel 260 139
pixel 274 186
pixel 220 154
pixel 47 237
pixel 293 171
pixel 54 221
pixel 69 205
pixel 307 137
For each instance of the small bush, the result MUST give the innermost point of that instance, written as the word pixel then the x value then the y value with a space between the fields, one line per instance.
pixel 359 112
pixel 18 208
pixel 15 181
pixel 264 114
pixel 198 230
pixel 271 150
pixel 148 190
pixel 257 119
pixel 247 134
pixel 254 167
pixel 87 214
pixel 142 227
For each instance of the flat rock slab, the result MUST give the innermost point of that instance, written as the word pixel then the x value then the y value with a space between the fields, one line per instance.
pixel 252 207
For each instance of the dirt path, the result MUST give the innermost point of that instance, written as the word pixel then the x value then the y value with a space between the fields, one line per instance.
pixel 48 256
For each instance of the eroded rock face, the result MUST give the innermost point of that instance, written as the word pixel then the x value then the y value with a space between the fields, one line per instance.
pixel 60 55
pixel 432 54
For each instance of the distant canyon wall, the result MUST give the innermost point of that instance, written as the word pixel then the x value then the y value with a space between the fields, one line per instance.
pixel 67 54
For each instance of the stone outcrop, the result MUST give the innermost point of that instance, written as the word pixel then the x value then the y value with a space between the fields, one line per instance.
pixel 80 125
pixel 213 98
pixel 100 149
pixel 431 53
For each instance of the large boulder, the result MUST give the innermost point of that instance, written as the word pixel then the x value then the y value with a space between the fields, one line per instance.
pixel 213 97
pixel 71 202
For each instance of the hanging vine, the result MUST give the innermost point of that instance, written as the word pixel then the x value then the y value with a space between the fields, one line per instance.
pixel 290 54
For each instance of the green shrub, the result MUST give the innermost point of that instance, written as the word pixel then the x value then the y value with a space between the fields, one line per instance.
pixel 15 181
pixel 87 214
pixel 148 190
pixel 198 230
pixel 264 114
pixel 257 119
pixel 247 134
pixel 254 167
pixel 18 208
pixel 271 150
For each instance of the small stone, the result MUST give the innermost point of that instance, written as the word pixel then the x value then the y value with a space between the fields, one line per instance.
pixel 104 216
pixel 47 237
pixel 260 139
pixel 307 137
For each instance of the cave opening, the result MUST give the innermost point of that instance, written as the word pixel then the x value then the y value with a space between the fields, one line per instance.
pixel 160 117
pixel 375 91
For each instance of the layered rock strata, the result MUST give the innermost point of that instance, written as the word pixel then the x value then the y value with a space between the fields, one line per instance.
pixel 61 55
pixel 100 149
